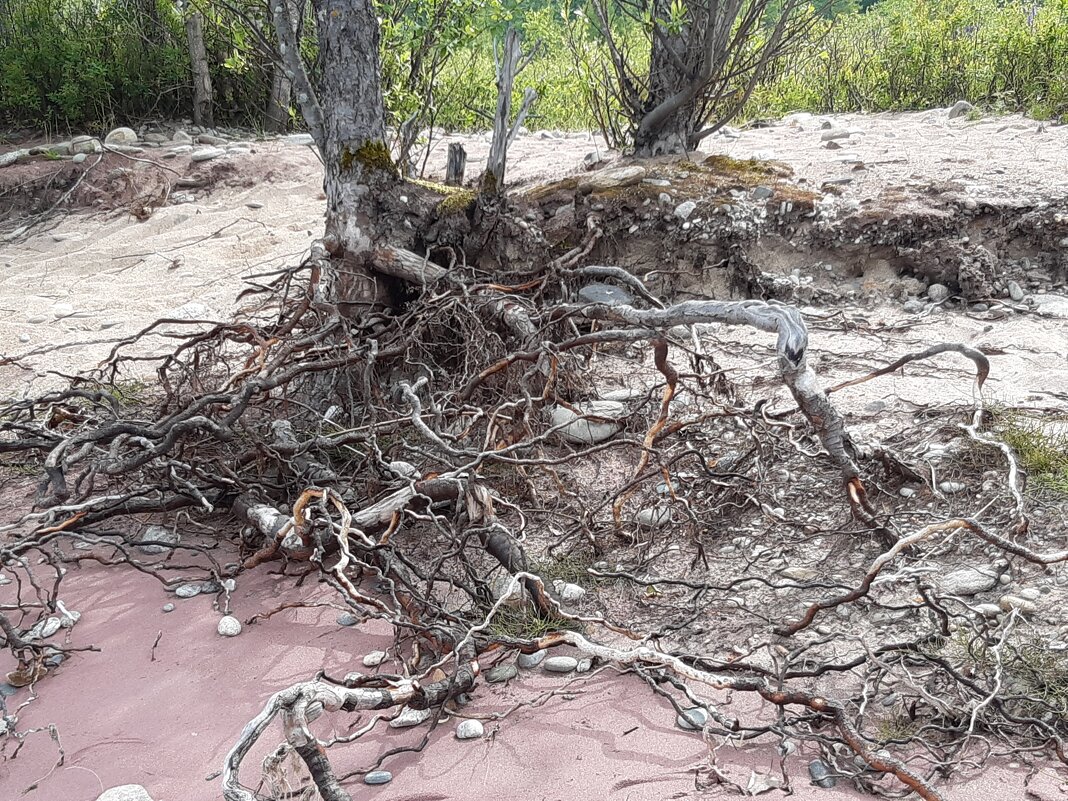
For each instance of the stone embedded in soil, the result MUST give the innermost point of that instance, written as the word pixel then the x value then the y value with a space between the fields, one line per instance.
pixel 693 719
pixel 530 660
pixel 938 292
pixel 654 517
pixel 584 665
pixel 501 674
pixel 378 777
pixel 208 139
pixel 469 730
pixel 685 209
pixel 1016 292
pixel 762 192
pixel 821 774
pixel 913 306
pixel 835 133
pixel 969 580
pixel 588 432
pixel 121 136
pixel 1030 594
pixel 799 573
pixel 374 659
pixel 1011 602
pixel 959 109
pixel 608 294
pixel 951 487
pixel 560 664
pixel 229 626
pixel 157 534
pixel 188 590
pixel 988 610
pixel 7 690
pixel 571 592
pixel 85 144
pixel 207 153
pixel 125 792
pixel 410 717
pixel 347 619
pixel 612 179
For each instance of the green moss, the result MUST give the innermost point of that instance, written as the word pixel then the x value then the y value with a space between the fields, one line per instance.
pixel 749 172
pixel 372 155
pixel 457 202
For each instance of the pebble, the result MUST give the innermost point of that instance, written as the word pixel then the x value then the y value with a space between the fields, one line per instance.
pixel 7 690
pixel 906 492
pixel 125 792
pixel 530 660
pixel 208 139
pixel 374 659
pixel 229 626
pixel 560 664
pixel 799 573
pixel 37 318
pixel 584 665
pixel 821 774
pixel 685 209
pixel 1030 594
pixel 693 719
pixel 79 158
pixel 938 292
pixel 157 534
pixel 45 629
pixel 913 306
pixel 207 153
pixel 469 730
pixel 253 204
pixel 571 592
pixel 762 192
pixel 501 674
pixel 587 431
pixel 1016 292
pixel 168 607
pixel 950 487
pixel 988 610
pixel 24 338
pixel 969 580
pixel 654 517
pixel 188 590
pixel 1010 602
pixel 378 777
pixel 409 718
pixel 347 619
pixel 62 310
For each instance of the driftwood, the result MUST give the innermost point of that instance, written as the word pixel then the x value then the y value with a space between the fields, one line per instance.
pixel 456 164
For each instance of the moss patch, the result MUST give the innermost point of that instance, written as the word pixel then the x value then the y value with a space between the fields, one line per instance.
pixel 372 155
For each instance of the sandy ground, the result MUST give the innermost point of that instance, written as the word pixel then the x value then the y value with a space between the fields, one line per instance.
pixel 68 293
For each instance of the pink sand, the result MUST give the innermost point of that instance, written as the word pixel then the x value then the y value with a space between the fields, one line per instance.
pixel 167 724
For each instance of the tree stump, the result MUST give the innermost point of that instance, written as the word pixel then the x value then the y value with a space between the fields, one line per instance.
pixel 454 167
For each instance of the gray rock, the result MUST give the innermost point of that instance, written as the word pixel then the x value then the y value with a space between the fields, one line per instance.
pixel 410 717
pixel 501 674
pixel 24 338
pixel 207 153
pixel 592 159
pixel 208 139
pixel 584 665
pixel 530 660
pixel 188 590
pixel 79 158
pixel 685 209
pixel 378 777
pixel 661 182
pixel 835 133
pixel 126 792
pixel 131 150
pixel 1010 602
pixel 155 138
pixel 181 138
pixel 121 136
pixel 612 179
pixel 1030 594
pixel 799 573
pixel 375 658
pixel 469 730
pixel 44 629
pixel 988 610
pixel 913 306
pixel 959 109
pixel 821 774
pixel 951 487
pixel 404 469
pixel 168 607
pixel 653 517
pixel 85 144
pixel 762 192
pixel 560 664
pixel 584 431
pixel 229 626
pixel 571 592
pixel 969 580
pixel 598 292
pixel 7 690
pixel 7 159
pixel 1016 292
pixel 938 292
pixel 157 534
pixel 693 719
pixel 347 619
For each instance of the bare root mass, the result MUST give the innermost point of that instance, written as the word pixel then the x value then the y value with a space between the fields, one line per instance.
pixel 427 463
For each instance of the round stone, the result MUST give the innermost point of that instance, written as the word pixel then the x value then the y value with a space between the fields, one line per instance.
pixel 561 664
pixel 374 659
pixel 378 777
pixel 501 674
pixel 530 660
pixel 229 626
pixel 571 592
pixel 188 590
pixel 168 607
pixel 693 719
pixel 347 619
pixel 469 730
pixel 409 717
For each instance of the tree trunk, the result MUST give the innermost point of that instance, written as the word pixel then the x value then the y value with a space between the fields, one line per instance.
pixel 276 115
pixel 359 171
pixel 198 59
